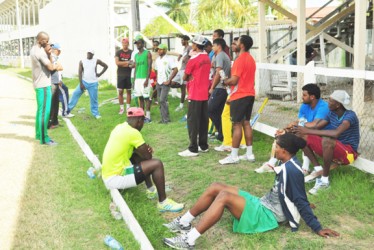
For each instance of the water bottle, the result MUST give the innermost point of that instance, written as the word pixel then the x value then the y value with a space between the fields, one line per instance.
pixel 302 121
pixel 112 243
pixel 91 173
pixel 113 210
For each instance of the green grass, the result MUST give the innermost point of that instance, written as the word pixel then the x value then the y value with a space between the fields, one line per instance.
pixel 71 211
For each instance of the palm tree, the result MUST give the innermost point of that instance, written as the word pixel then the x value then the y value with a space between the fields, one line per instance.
pixel 176 9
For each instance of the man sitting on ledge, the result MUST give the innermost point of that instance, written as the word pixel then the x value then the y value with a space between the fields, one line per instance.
pixel 121 172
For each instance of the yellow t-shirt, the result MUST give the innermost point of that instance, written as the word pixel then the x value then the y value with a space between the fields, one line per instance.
pixel 119 149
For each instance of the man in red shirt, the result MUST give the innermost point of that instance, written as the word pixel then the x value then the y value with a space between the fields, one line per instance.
pixel 242 97
pixel 197 76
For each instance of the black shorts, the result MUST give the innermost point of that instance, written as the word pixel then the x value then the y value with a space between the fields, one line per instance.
pixel 138 173
pixel 241 109
pixel 124 82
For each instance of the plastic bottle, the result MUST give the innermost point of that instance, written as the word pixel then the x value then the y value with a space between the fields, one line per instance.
pixel 113 210
pixel 112 243
pixel 302 121
pixel 91 172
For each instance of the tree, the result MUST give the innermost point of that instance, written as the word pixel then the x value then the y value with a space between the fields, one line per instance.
pixel 157 27
pixel 176 9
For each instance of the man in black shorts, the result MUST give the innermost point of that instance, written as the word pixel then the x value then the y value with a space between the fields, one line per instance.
pixel 123 58
pixel 242 96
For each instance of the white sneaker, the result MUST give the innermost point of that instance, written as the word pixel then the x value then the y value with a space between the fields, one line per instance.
pixel 121 111
pixel 265 168
pixel 250 158
pixel 179 108
pixel 319 185
pixel 223 148
pixel 187 153
pixel 70 115
pixel 98 117
pixel 204 151
pixel 229 160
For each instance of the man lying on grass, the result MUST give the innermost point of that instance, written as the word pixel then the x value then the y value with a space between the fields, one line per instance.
pixel 286 201
pixel 119 172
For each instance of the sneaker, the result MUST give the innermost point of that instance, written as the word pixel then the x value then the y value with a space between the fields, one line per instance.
pixel 179 108
pixel 147 120
pixel 175 226
pixel 203 151
pixel 314 174
pixel 169 205
pixel 121 111
pixel 70 115
pixel 152 195
pixel 98 117
pixel 183 119
pixel 245 157
pixel 179 242
pixel 187 153
pixel 319 185
pixel 265 168
pixel 223 148
pixel 229 160
pixel 51 143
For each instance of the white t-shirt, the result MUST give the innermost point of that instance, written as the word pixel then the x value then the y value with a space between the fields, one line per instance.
pixel 164 66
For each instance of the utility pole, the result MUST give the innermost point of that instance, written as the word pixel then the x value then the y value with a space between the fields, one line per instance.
pixel 135 15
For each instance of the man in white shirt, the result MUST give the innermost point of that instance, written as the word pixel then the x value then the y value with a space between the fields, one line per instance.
pixel 166 69
pixel 88 79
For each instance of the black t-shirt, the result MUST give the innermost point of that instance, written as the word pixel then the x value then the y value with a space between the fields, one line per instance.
pixel 124 56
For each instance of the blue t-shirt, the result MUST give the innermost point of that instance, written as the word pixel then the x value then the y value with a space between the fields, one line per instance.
pixel 352 135
pixel 211 54
pixel 320 111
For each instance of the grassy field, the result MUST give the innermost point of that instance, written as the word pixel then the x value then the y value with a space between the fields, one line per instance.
pixel 64 209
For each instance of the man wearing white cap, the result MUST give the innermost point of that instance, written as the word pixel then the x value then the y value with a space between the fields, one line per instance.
pixel 339 142
pixel 88 79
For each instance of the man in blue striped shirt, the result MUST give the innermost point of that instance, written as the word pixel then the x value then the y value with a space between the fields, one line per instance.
pixel 339 142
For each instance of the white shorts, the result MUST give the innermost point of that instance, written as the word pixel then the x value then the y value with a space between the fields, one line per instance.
pixel 179 77
pixel 140 90
pixel 120 182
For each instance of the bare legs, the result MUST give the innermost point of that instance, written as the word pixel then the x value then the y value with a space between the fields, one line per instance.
pixel 237 133
pixel 155 169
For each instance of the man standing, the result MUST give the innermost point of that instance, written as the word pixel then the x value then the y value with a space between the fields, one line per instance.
pixel 338 142
pixel 143 67
pixel 218 33
pixel 218 93
pixel 121 172
pixel 88 79
pixel 178 80
pixel 41 63
pixel 242 98
pixel 123 58
pixel 197 75
pixel 166 69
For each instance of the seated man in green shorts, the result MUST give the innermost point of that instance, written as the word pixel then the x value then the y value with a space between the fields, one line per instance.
pixel 286 201
pixel 121 172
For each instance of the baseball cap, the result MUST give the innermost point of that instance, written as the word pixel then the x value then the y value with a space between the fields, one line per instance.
pixel 342 97
pixel 125 40
pixel 200 40
pixel 91 51
pixel 133 112
pixel 138 38
pixel 56 46
pixel 163 46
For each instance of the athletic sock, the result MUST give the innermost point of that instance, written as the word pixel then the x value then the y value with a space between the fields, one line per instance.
pixel 234 152
pixel 318 168
pixel 192 236
pixel 127 106
pixel 181 105
pixel 121 106
pixel 186 219
pixel 151 189
pixel 272 161
pixel 249 150
pixel 325 179
pixel 306 162
pixel 148 114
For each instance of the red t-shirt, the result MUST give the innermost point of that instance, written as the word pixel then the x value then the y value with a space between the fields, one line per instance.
pixel 199 68
pixel 244 67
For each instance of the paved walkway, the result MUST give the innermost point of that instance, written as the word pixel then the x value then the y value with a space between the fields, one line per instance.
pixel 17 114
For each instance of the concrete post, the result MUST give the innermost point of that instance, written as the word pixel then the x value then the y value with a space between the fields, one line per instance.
pixel 301 29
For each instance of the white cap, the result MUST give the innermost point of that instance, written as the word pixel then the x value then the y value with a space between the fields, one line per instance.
pixel 200 40
pixel 342 97
pixel 91 51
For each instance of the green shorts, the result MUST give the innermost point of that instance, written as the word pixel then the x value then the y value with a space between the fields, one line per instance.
pixel 255 217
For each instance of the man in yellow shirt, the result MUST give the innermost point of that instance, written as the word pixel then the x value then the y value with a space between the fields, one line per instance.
pixel 127 162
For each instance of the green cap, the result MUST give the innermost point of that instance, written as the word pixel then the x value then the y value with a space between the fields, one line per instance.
pixel 163 46
pixel 138 37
